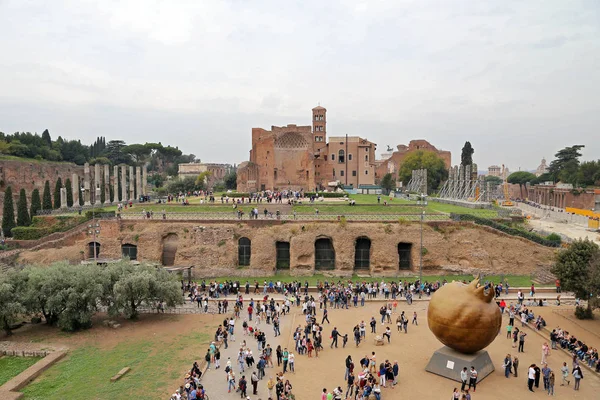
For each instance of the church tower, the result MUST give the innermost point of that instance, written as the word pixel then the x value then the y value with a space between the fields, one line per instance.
pixel 319 125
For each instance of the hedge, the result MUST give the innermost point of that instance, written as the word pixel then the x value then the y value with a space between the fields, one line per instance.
pixel 63 223
pixel 506 229
pixel 30 233
pixel 99 212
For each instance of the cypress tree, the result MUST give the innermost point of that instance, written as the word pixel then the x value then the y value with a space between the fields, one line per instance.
pixel 36 203
pixel 69 187
pixel 8 213
pixel 22 212
pixel 46 198
pixel 57 193
pixel 112 193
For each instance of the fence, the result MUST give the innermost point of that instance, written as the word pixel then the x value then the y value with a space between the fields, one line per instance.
pixel 298 217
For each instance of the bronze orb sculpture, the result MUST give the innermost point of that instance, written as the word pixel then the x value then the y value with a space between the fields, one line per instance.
pixel 463 317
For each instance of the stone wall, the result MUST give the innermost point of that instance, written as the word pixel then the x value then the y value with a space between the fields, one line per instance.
pixel 212 247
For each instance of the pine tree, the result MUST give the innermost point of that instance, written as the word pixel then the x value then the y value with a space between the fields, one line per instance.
pixel 46 197
pixel 36 203
pixel 57 193
pixel 69 187
pixel 46 138
pixel 22 212
pixel 8 213
pixel 466 157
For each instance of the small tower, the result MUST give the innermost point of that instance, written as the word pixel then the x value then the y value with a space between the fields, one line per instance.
pixel 319 125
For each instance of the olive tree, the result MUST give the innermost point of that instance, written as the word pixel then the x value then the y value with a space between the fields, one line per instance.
pixel 11 304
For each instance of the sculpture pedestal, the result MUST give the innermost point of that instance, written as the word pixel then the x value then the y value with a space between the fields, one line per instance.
pixel 448 363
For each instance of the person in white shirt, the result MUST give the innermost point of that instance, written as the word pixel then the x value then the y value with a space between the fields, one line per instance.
pixel 463 377
pixel 531 377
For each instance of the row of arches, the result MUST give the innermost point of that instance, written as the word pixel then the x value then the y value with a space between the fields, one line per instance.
pixel 325 254
pixel 127 250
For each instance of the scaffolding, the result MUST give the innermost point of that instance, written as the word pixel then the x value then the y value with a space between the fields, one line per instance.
pixel 418 182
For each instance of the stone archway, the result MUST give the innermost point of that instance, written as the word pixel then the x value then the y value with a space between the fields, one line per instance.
pixel 324 254
pixel 169 249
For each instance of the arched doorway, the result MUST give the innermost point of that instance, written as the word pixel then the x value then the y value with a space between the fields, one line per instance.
pixel 244 251
pixel 324 254
pixel 169 249
pixel 362 253
pixel 404 255
pixel 129 251
pixel 93 247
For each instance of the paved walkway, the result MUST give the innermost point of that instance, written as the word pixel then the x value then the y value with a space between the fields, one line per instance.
pixel 214 380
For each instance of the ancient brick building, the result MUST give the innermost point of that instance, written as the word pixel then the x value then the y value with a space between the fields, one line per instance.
pixel 300 157
pixel 392 164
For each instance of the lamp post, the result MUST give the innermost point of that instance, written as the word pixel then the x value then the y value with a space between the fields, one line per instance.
pixel 94 230
pixel 422 198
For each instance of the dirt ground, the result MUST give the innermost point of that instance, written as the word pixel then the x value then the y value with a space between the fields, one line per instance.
pixel 412 351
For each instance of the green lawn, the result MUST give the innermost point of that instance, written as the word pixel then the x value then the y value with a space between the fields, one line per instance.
pixel 13 366
pixel 86 371
pixel 513 280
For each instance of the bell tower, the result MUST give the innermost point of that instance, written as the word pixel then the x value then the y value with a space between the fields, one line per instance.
pixel 319 125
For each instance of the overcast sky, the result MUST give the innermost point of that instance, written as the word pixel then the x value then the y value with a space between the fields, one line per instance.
pixel 519 79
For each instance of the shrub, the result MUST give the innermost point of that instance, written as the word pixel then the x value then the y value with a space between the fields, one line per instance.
pixel 583 313
pixel 98 213
pixel 8 214
pixel 554 237
pixel 29 232
pixel 326 194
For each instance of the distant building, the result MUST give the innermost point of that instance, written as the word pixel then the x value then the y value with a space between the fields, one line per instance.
pixel 217 171
pixel 496 170
pixel 301 157
pixel 394 159
pixel 542 168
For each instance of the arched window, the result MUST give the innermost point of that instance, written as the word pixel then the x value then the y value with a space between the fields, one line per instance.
pixel 341 156
pixel 404 255
pixel 93 247
pixel 362 253
pixel 324 254
pixel 244 250
pixel 129 251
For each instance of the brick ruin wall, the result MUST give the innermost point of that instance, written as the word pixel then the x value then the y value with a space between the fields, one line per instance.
pixel 212 247
pixel 30 175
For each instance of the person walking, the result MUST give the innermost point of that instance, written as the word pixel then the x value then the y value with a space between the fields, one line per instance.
pixel 508 331
pixel 286 356
pixel 531 377
pixel 414 320
pixel 270 386
pixel 230 380
pixel 578 375
pixel 254 380
pixel 350 385
pixel 565 374
pixel 243 386
pixel 334 337
pixel 507 365
pixel 538 374
pixel 325 317
pixel 464 376
pixel 473 379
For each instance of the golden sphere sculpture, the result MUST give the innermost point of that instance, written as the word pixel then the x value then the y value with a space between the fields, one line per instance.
pixel 463 317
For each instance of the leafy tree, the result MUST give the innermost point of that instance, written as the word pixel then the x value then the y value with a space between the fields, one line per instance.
pixel 434 164
pixel 466 157
pixel 566 165
pixel 202 180
pixel 545 177
pixel 46 198
pixel 114 152
pixel 138 152
pixel 589 173
pixel 36 203
pixel 494 180
pixel 187 184
pixel 57 193
pixel 23 218
pixel 521 178
pixel 66 295
pixel 69 187
pixel 8 213
pixel 231 181
pixel 388 183
pixel 143 284
pixel 11 304
pixel 156 179
pixel 46 137
pixel 578 268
